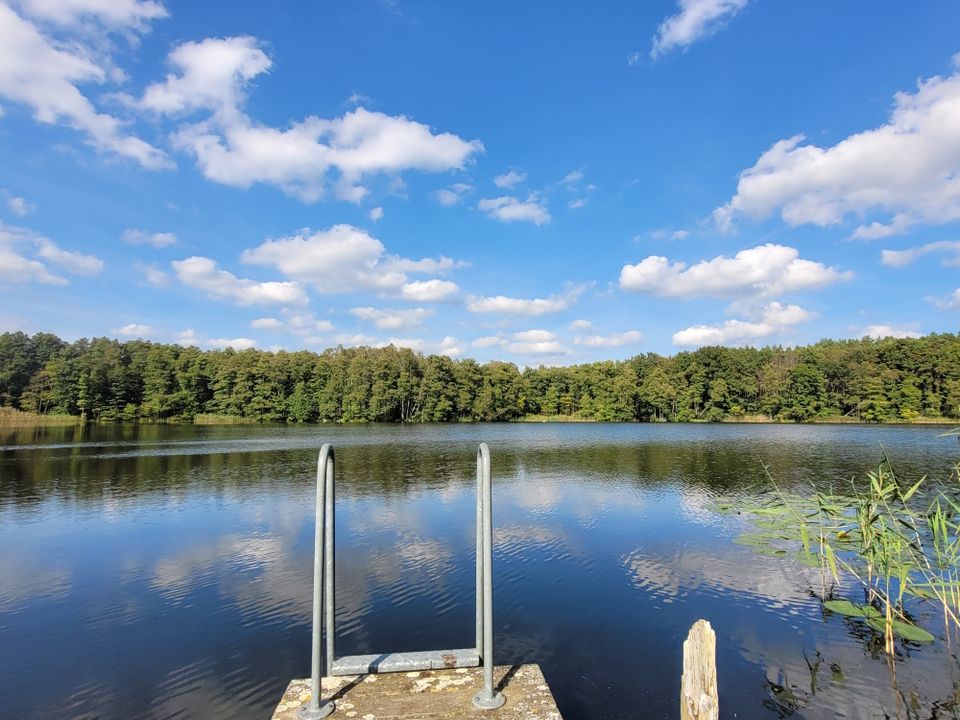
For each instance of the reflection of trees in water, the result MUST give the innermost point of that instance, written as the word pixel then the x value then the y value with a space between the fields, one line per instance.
pixel 94 464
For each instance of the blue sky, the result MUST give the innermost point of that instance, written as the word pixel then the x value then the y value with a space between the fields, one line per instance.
pixel 545 183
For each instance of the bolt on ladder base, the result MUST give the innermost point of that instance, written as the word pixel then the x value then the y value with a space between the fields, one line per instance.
pixel 483 702
pixel 308 713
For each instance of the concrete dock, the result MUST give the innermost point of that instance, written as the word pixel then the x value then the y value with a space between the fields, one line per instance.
pixel 428 694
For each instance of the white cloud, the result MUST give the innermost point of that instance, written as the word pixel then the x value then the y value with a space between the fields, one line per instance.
pixel 266 323
pixel 299 322
pixel 535 342
pixel 509 209
pixel 664 234
pixel 43 73
pixel 509 179
pixel 428 290
pixel 772 319
pixel 188 337
pixel 153 275
pixel 240 343
pixel 73 262
pixel 951 302
pixel 634 59
pixel 696 19
pixel 346 259
pixel 630 337
pixel 907 170
pixel 447 197
pixel 452 195
pixel 203 274
pixel 451 347
pixel 18 205
pixel 902 258
pixel 392 319
pixel 141 237
pixel 503 305
pixel 411 343
pixel 581 325
pixel 134 330
pixel 761 271
pixel 572 177
pixel 884 331
pixel 233 149
pixel 354 340
pixel 376 214
pixel 115 14
pixel 527 342
pixel 15 267
pixel 577 203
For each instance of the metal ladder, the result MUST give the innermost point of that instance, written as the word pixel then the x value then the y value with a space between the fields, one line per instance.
pixel 323 602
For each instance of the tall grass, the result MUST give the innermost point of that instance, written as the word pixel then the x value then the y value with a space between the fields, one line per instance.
pixel 895 544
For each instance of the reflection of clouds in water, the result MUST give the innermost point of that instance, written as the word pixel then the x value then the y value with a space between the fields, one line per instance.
pixel 683 571
pixel 26 579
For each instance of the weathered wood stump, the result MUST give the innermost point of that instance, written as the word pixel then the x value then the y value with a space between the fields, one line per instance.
pixel 698 686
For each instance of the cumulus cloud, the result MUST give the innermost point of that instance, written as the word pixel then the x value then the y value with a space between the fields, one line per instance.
pixel 694 20
pixel 376 214
pixel 18 267
pixel 508 208
pixel 392 319
pixel 772 319
pixel 452 195
pixel 346 259
pixel 114 14
pixel 451 347
pixel 535 342
pixel 617 339
pixel 902 258
pixel 240 343
pixel 213 76
pixel 428 290
pixel 577 203
pixel 503 305
pixel 951 302
pixel 203 274
pixel 132 236
pixel 153 275
pixel 581 325
pixel 664 234
pixel 73 262
pixel 509 179
pixel 17 205
pixel 134 330
pixel 888 331
pixel 266 323
pixel 44 73
pixel 761 271
pixel 906 171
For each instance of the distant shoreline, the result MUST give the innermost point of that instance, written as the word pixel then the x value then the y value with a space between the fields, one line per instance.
pixel 13 418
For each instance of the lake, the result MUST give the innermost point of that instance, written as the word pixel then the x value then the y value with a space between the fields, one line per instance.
pixel 165 571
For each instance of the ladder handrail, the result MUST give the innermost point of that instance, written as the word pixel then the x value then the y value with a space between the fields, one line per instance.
pixel 323 583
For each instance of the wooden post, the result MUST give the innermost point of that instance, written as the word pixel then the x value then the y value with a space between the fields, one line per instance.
pixel 698 686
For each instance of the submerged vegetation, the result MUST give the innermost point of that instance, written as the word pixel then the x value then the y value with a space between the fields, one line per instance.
pixel 884 549
pixel 900 380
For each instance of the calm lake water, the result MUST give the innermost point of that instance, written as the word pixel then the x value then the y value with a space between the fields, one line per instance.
pixel 161 572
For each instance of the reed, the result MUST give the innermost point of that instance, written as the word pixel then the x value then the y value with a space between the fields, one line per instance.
pixel 897 543
pixel 11 417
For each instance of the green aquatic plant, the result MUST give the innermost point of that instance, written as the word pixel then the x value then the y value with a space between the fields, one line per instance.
pixel 898 542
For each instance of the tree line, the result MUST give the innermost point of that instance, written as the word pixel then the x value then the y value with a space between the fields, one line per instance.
pixel 102 379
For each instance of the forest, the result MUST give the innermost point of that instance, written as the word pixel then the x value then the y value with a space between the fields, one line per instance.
pixel 104 380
